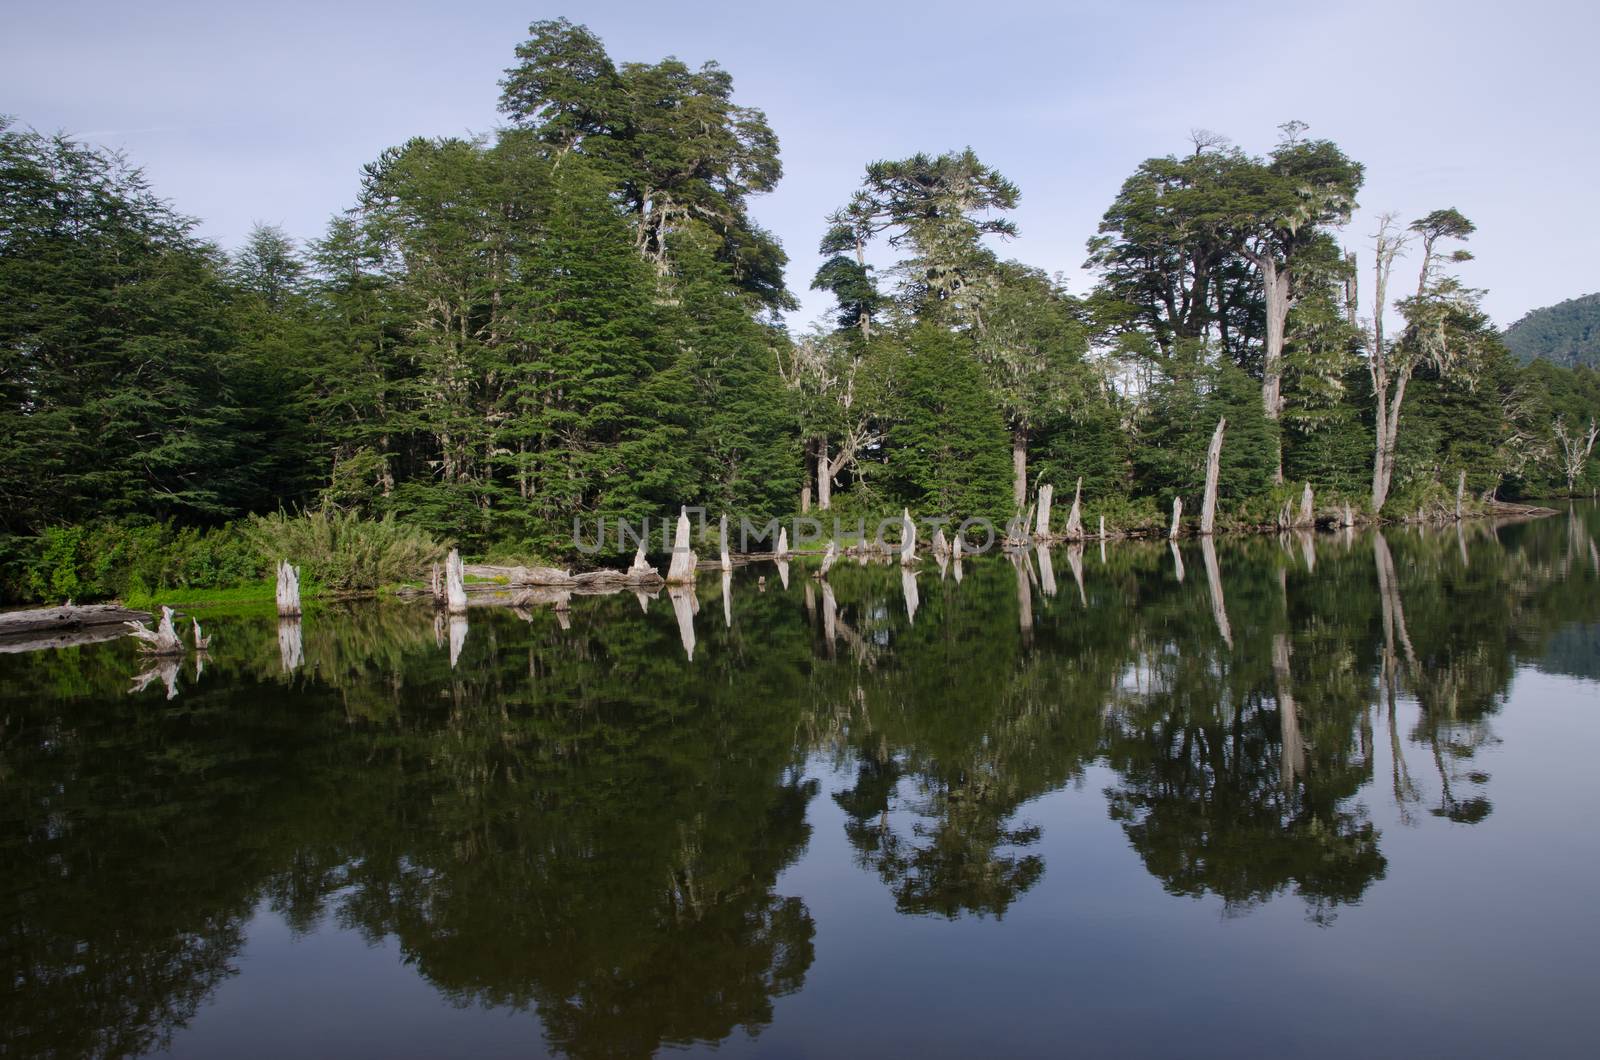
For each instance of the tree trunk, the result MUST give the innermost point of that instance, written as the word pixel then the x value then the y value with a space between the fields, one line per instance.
pixel 681 572
pixel 1019 468
pixel 1047 494
pixel 1275 286
pixel 824 476
pixel 1351 305
pixel 1308 513
pixel 455 584
pixel 1075 516
pixel 1208 508
pixel 1177 514
pixel 908 539
pixel 1461 493
pixel 810 472
pixel 722 530
pixel 288 590
pixel 163 640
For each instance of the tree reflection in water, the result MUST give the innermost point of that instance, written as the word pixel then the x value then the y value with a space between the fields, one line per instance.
pixel 564 813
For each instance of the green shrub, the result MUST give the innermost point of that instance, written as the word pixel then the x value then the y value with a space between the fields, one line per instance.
pixel 341 550
pixel 105 560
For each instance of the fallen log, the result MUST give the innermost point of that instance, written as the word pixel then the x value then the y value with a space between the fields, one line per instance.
pixel 68 617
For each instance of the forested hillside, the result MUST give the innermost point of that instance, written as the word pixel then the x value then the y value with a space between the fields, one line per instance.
pixel 1567 333
pixel 577 316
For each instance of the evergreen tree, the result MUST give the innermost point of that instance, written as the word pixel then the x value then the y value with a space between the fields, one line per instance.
pixel 947 446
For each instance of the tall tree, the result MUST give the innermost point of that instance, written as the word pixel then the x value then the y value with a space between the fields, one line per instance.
pixel 1304 186
pixel 1439 317
pixel 672 138
pixel 114 385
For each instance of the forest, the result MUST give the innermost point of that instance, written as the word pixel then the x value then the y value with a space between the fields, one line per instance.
pixel 578 316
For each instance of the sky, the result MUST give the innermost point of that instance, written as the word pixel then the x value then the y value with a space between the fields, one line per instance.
pixel 244 113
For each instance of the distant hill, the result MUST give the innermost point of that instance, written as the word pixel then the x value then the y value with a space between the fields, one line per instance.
pixel 1567 333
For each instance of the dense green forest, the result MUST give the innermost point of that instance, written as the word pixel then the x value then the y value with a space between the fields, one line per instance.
pixel 1567 333
pixel 578 317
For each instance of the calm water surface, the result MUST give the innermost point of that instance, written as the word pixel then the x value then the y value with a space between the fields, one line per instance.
pixel 1322 796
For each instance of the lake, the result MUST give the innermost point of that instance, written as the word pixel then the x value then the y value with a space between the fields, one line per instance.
pixel 1320 795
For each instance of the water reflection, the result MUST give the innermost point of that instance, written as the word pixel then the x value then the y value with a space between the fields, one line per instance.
pixel 586 813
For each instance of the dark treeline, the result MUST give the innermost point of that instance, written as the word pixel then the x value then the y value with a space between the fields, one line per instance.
pixel 577 316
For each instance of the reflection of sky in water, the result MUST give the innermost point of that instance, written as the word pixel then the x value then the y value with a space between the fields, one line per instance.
pixel 1020 826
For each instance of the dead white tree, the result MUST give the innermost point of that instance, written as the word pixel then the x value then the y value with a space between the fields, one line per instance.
pixel 829 558
pixel 1208 507
pixel 1177 515
pixel 1047 496
pixel 724 558
pixel 1308 512
pixel 455 584
pixel 163 640
pixel 288 590
pixel 1075 516
pixel 681 572
pixel 1575 449
pixel 908 539
pixel 783 543
pixel 641 568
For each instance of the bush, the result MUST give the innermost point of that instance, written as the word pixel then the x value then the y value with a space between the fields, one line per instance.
pixel 341 550
pixel 105 560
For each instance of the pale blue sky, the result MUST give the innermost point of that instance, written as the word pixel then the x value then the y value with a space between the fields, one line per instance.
pixel 267 111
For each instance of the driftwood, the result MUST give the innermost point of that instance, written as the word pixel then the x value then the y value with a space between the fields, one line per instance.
pixel 68 618
pixel 163 640
pixel 1075 516
pixel 681 572
pixel 1047 496
pixel 288 590
pixel 1208 506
